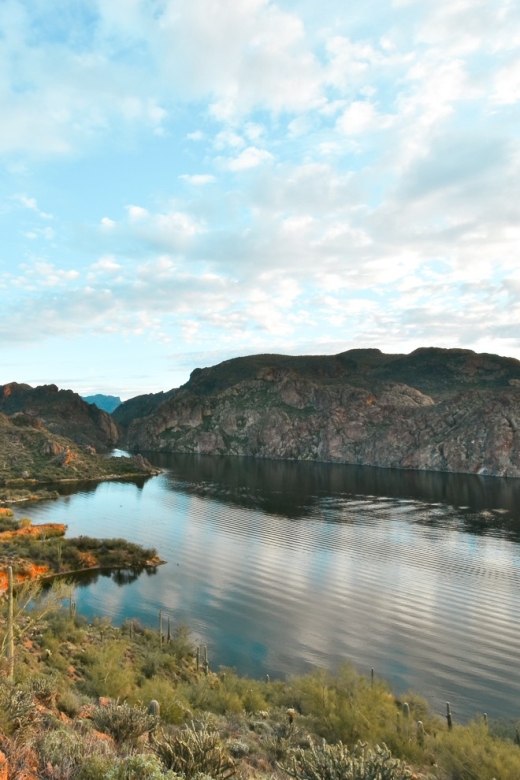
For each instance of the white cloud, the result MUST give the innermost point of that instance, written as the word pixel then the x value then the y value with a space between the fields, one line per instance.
pixel 249 158
pixel 106 263
pixel 360 117
pixel 392 236
pixel 31 204
pixel 507 84
pixel 137 213
pixel 198 179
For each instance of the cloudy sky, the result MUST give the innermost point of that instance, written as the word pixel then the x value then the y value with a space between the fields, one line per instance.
pixel 184 181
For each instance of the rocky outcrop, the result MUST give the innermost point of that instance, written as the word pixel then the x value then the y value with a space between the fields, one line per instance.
pixel 445 410
pixel 62 412
pixel 32 455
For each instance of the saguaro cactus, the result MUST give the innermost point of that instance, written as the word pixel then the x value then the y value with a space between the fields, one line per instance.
pixel 10 623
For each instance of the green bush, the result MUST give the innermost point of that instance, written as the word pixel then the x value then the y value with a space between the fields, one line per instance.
pixel 344 707
pixel 108 672
pixel 472 753
pixel 96 767
pixel 336 762
pixel 174 708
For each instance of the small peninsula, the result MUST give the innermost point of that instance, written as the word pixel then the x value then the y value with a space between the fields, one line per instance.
pixel 42 552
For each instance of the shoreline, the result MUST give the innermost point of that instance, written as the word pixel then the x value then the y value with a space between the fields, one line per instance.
pixel 25 484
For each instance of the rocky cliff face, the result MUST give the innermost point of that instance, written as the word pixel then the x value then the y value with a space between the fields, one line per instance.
pixel 447 410
pixel 62 412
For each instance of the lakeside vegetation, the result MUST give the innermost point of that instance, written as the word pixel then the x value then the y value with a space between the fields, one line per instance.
pixel 36 551
pixel 92 701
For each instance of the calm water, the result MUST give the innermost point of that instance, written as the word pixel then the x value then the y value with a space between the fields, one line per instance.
pixel 280 567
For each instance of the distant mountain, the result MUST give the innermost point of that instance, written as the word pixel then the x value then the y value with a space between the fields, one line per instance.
pixel 106 402
pixel 62 412
pixel 434 409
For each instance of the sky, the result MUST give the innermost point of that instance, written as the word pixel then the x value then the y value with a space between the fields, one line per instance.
pixel 186 181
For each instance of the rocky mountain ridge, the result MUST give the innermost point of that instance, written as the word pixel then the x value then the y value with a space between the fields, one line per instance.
pixel 435 409
pixel 61 412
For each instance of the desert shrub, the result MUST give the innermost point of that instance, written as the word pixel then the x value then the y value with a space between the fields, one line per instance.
pixel 16 708
pixel 60 748
pixel 230 695
pixel 472 753
pixel 344 707
pixel 181 645
pixel 42 686
pixel 7 521
pixel 237 748
pixel 96 767
pixel 69 703
pixel 174 708
pixel 124 723
pixel 336 762
pixel 139 767
pixel 194 750
pixel 503 728
pixel 107 671
pixel 283 738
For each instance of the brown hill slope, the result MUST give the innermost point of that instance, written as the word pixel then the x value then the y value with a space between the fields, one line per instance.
pixel 447 410
pixel 62 412
pixel 30 454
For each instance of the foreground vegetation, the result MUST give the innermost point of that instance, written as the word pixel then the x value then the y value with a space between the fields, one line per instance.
pixel 90 702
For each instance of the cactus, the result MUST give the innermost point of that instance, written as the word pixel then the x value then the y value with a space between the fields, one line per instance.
pixel 336 762
pixel 10 624
pixel 195 751
pixel 125 724
pixel 154 709
pixel 449 719
pixel 420 733
pixel 197 657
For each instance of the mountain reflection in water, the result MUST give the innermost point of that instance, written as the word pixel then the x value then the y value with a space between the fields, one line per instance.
pixel 280 566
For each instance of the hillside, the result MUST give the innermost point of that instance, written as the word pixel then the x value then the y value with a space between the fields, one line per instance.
pixel 62 412
pixel 435 409
pixel 96 702
pixel 30 456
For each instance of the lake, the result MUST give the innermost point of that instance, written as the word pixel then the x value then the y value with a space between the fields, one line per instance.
pixel 282 566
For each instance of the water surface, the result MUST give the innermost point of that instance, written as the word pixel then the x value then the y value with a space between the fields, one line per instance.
pixel 282 566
